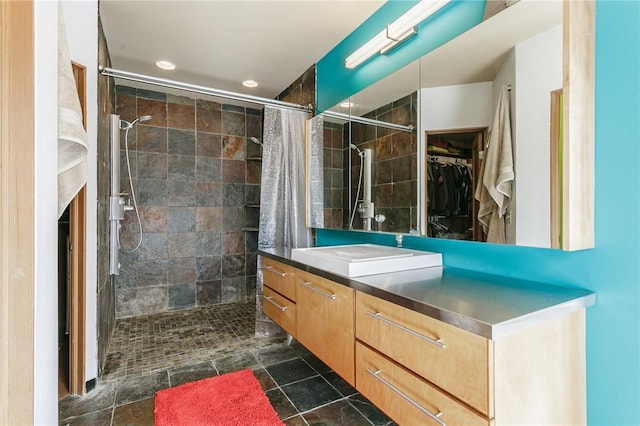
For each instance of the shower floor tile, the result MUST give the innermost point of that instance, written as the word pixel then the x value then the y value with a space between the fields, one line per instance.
pixel 154 352
pixel 143 345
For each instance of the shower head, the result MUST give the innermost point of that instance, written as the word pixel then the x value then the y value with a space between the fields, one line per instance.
pixel 124 125
pixel 255 140
pixel 360 152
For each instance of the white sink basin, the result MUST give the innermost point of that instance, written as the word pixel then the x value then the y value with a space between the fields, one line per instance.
pixel 365 259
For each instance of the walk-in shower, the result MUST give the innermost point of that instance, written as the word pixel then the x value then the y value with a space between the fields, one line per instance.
pixel 365 206
pixel 118 205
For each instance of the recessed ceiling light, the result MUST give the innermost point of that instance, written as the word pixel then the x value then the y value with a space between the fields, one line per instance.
pixel 166 65
pixel 250 83
pixel 346 104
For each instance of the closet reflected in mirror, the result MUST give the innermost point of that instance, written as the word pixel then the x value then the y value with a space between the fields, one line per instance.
pixel 457 89
pixel 451 178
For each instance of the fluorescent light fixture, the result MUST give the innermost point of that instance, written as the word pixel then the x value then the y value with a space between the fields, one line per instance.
pixel 250 83
pixel 346 104
pixel 396 32
pixel 165 65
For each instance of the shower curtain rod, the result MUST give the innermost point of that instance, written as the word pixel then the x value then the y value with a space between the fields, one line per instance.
pixel 204 90
pixel 363 120
pixel 141 78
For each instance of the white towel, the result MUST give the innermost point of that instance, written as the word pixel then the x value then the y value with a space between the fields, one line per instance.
pixel 496 176
pixel 72 138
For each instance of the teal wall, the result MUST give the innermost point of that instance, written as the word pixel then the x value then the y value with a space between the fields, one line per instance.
pixel 336 83
pixel 612 268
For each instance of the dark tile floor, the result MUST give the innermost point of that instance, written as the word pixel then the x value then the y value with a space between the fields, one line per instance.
pixel 159 351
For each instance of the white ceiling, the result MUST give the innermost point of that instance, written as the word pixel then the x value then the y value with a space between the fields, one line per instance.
pixel 474 56
pixel 221 43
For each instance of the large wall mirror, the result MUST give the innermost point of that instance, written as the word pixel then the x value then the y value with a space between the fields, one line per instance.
pixel 423 172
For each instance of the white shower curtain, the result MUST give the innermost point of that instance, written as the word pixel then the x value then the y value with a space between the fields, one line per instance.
pixel 282 193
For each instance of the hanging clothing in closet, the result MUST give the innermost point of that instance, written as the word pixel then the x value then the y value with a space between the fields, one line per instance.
pixel 450 196
pixel 449 188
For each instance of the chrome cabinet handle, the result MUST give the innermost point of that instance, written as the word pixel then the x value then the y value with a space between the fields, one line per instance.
pixel 378 316
pixel 282 308
pixel 276 271
pixel 317 290
pixel 435 417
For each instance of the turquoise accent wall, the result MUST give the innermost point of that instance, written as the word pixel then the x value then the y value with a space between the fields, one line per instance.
pixel 335 83
pixel 612 268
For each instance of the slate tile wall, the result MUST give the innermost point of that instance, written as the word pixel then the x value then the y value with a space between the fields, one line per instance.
pixel 106 283
pixel 394 167
pixel 193 181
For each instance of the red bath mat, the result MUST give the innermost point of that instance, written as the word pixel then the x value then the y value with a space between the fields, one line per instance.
pixel 231 399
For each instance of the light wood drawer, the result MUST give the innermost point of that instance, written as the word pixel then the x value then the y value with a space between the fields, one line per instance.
pixel 405 397
pixel 453 359
pixel 326 322
pixel 280 309
pixel 280 277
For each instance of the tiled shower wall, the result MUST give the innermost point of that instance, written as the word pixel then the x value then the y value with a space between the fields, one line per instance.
pixel 196 176
pixel 333 152
pixel 394 186
pixel 106 290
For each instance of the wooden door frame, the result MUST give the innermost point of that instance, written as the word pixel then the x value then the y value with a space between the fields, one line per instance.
pixel 17 213
pixel 77 285
pixel 556 196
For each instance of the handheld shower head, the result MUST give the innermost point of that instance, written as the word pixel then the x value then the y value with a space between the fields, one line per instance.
pixel 360 152
pixel 124 125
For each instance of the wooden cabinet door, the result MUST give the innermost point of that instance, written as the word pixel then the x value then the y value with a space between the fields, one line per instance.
pixel 455 360
pixel 405 397
pixel 326 322
pixel 280 277
pixel 280 309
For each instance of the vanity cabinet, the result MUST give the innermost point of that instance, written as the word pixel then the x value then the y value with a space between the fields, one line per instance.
pixel 420 370
pixel 279 294
pixel 326 322
pixel 483 354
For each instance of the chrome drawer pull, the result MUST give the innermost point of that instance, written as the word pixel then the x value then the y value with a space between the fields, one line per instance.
pixel 282 308
pixel 317 290
pixel 435 417
pixel 276 271
pixel 378 315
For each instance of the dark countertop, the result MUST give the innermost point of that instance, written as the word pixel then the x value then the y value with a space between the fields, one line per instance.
pixel 490 306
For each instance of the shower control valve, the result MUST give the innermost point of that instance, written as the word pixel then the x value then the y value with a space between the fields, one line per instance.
pixel 116 208
pixel 366 209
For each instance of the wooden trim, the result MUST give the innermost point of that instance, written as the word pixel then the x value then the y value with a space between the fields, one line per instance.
pixel 80 77
pixel 77 287
pixel 555 202
pixel 578 133
pixel 77 308
pixel 17 212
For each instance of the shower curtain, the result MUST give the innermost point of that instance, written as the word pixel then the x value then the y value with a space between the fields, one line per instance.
pixel 282 193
